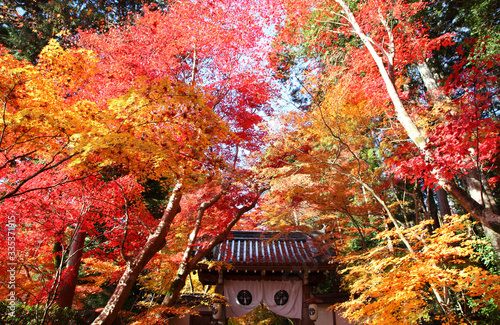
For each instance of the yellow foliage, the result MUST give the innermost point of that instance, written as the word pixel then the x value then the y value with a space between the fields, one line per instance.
pixel 159 315
pixel 159 277
pixel 40 109
pixel 316 163
pixel 215 265
pixel 98 273
pixel 153 133
pixel 397 287
pixel 158 129
pixel 428 119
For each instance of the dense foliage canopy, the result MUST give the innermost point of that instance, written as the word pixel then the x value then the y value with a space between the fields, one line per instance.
pixel 136 135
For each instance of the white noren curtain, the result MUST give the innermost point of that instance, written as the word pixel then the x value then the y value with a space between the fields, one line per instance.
pixel 281 297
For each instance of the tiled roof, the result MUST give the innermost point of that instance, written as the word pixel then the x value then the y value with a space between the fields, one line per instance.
pixel 256 249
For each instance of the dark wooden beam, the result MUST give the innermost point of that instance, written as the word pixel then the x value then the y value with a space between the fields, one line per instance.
pixel 209 277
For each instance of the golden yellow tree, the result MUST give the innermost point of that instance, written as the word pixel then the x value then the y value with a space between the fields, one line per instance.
pixel 439 277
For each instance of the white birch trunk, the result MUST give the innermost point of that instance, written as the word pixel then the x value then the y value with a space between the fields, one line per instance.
pixel 483 214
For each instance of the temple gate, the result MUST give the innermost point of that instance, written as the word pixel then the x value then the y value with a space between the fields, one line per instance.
pixel 277 269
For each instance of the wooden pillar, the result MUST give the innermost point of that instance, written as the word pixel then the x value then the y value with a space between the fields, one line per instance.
pixel 306 294
pixel 219 288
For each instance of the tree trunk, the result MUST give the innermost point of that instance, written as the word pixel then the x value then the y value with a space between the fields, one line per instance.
pixel 484 215
pixel 430 82
pixel 433 209
pixel 155 242
pixel 185 266
pixel 436 96
pixel 70 273
pixel 443 204
pixel 480 191
pixel 189 261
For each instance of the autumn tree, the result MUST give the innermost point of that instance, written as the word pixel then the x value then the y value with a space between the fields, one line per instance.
pixel 32 140
pixel 379 45
pixel 473 25
pixel 215 70
pixel 395 42
pixel 53 223
pixel 46 130
pixel 27 26
pixel 399 286
pixel 441 276
pixel 75 140
pixel 40 133
pixel 177 117
pixel 325 166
